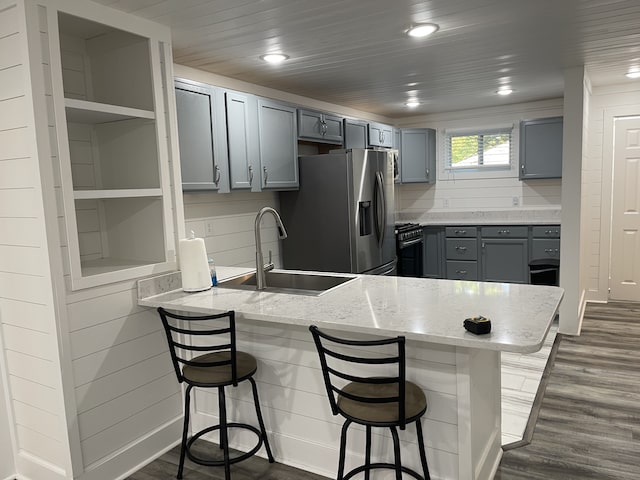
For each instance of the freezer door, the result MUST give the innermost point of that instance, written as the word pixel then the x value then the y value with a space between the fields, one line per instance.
pixel 364 240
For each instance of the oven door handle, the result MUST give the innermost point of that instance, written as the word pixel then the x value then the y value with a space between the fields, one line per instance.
pixel 410 243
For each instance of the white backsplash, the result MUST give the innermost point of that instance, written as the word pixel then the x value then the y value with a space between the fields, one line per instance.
pixel 226 222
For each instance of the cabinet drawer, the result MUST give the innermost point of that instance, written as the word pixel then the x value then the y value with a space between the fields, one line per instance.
pixel 505 232
pixel 545 248
pixel 546 231
pixel 461 231
pixel 462 270
pixel 462 249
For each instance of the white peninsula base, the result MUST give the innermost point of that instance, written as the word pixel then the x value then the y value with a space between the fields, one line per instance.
pixel 459 372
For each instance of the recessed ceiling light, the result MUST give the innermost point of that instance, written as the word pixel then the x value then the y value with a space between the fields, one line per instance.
pixel 504 91
pixel 633 74
pixel 412 103
pixel 422 29
pixel 274 58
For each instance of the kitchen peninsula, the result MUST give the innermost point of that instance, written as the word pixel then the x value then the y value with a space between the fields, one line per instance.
pixel 459 371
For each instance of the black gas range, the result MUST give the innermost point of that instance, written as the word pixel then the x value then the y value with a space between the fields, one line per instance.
pixel 409 241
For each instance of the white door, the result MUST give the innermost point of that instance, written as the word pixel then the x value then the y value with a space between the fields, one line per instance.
pixel 625 221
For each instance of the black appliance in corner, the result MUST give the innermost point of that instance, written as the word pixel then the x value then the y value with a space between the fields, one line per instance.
pixel 409 242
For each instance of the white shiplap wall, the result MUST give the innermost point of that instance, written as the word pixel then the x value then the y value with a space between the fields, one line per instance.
pixel 226 222
pixel 606 102
pixel 120 393
pixel 27 307
pixel 128 401
pixel 461 193
pixel 294 403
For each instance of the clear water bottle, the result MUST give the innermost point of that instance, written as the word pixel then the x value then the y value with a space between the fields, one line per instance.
pixel 212 271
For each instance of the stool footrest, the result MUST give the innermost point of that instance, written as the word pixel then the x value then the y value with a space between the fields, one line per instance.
pixel 390 466
pixel 218 463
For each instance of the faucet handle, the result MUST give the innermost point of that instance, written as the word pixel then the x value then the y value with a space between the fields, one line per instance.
pixel 270 257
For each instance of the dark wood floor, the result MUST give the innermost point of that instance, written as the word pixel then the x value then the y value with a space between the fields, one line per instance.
pixel 588 424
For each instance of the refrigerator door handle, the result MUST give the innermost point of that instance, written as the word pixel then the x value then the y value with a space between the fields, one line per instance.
pixel 381 204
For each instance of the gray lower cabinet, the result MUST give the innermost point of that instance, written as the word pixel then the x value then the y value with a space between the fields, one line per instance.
pixel 461 251
pixel 541 148
pixel 278 145
pixel 504 254
pixel 320 127
pixel 433 252
pixel 242 129
pixel 505 260
pixel 355 133
pixel 545 242
pixel 380 135
pixel 201 136
pixel 418 155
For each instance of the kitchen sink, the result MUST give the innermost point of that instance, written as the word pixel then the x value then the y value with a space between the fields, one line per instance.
pixel 287 282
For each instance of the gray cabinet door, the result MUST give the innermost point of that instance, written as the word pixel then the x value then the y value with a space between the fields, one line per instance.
pixel 418 155
pixel 541 148
pixel 380 135
pixel 433 252
pixel 201 137
pixel 242 138
pixel 355 133
pixel 320 127
pixel 278 145
pixel 504 260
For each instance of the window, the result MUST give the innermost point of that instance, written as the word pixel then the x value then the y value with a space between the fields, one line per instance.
pixel 479 150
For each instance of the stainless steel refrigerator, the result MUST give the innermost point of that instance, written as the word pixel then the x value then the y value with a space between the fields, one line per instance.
pixel 343 216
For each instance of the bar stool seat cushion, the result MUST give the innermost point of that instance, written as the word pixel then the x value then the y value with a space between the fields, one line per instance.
pixel 219 375
pixel 415 402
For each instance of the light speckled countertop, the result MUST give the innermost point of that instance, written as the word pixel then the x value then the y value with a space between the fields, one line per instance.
pixel 421 309
pixel 506 217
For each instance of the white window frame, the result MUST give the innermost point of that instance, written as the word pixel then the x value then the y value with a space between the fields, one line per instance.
pixel 451 173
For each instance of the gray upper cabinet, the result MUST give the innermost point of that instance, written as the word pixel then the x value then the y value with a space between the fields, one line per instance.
pixel 541 148
pixel 201 136
pixel 355 133
pixel 418 155
pixel 380 135
pixel 278 145
pixel 320 127
pixel 242 140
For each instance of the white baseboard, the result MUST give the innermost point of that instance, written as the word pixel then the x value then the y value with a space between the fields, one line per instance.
pixel 134 456
pixel 34 468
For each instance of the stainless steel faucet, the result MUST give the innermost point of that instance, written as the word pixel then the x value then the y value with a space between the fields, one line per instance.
pixel 282 234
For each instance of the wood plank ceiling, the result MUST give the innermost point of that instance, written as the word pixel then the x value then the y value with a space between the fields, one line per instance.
pixel 355 52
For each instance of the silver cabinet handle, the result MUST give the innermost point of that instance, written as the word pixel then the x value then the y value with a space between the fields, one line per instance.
pixel 460 232
pixel 381 136
pixel 551 251
pixel 324 128
pixel 504 232
pixel 216 179
pixel 250 174
pixel 461 272
pixel 551 232
pixel 458 247
pixel 427 174
pixel 266 175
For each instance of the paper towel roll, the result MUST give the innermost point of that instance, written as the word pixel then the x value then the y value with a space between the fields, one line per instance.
pixel 193 265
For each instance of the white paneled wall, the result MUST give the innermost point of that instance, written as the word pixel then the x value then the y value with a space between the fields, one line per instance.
pixel 606 102
pixel 226 222
pixel 460 193
pixel 293 399
pixel 30 344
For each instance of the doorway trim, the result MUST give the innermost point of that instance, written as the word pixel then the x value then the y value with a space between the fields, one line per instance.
pixel 609 117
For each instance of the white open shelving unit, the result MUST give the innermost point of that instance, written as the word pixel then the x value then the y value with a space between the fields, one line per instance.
pixel 109 108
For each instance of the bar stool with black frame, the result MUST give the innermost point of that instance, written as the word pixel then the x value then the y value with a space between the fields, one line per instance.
pixel 218 365
pixel 371 401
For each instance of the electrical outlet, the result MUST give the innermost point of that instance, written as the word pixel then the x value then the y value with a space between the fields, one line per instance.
pixel 515 201
pixel 445 202
pixel 208 227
